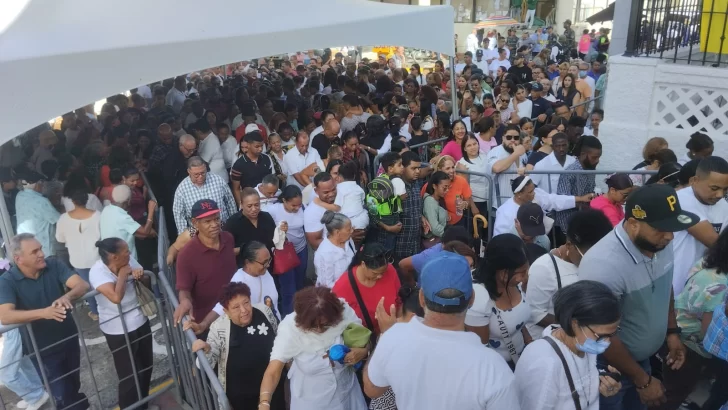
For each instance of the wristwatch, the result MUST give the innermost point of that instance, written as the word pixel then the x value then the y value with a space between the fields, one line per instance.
pixel 674 330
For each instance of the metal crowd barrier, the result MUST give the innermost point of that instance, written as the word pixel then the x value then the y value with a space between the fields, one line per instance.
pixel 199 388
pixel 38 355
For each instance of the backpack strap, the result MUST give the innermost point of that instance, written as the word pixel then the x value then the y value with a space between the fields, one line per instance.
pixel 574 393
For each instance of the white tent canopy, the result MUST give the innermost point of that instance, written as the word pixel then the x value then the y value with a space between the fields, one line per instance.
pixel 58 55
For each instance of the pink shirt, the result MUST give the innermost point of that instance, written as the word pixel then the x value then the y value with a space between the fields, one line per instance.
pixel 453 149
pixel 615 213
pixel 486 146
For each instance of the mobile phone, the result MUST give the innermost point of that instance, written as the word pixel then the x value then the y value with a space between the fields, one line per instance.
pixel 616 376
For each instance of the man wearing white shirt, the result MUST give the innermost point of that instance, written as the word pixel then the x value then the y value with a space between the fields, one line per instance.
pixel 704 198
pixel 210 150
pixel 546 83
pixel 176 96
pixel 325 188
pixel 301 163
pixel 558 160
pixel 494 53
pixel 501 61
pixel 479 62
pixel 268 191
pixel 472 42
pixel 228 145
pixel 475 114
pixel 507 157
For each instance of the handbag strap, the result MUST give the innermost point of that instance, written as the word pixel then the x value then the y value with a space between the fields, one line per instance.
pixel 558 275
pixel 574 393
pixel 362 306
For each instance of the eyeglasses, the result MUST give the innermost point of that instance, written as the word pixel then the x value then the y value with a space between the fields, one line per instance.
pixel 511 137
pixel 265 264
pixel 604 337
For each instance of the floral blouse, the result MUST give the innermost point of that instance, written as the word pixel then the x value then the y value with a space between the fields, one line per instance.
pixel 704 290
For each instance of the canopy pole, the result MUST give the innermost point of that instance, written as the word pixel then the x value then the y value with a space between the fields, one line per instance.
pixel 6 228
pixel 453 86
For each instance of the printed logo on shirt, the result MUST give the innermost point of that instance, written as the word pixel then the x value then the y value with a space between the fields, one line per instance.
pixel 718 227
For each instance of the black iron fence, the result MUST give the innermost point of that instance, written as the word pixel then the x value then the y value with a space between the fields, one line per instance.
pixel 689 31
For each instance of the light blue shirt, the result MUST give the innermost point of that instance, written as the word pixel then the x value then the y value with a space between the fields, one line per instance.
pixel 116 223
pixel 36 215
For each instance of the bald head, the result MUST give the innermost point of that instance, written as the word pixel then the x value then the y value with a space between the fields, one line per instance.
pixel 331 128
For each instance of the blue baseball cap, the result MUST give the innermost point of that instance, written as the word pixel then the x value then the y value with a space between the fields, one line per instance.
pixel 447 270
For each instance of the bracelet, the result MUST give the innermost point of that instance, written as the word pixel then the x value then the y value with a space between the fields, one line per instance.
pixel 646 385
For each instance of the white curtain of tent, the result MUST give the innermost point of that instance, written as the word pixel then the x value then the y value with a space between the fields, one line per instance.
pixel 58 55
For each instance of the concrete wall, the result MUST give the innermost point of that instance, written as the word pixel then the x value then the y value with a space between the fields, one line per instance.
pixel 648 97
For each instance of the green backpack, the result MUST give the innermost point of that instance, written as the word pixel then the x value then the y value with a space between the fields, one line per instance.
pixel 381 200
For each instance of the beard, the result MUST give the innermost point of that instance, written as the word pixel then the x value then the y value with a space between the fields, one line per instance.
pixel 588 166
pixel 641 243
pixel 508 148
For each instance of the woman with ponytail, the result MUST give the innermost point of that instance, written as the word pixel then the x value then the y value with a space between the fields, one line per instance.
pixel 500 310
pixel 114 276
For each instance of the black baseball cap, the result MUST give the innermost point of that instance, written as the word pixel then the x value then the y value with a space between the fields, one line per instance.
pixel 479 53
pixel 658 206
pixel 531 218
pixel 204 208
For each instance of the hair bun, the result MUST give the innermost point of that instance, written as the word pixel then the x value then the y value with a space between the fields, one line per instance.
pixel 98 244
pixel 327 217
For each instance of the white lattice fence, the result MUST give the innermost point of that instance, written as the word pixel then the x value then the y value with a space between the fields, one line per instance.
pixel 690 108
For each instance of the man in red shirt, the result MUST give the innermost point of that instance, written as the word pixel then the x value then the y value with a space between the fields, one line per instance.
pixel 205 264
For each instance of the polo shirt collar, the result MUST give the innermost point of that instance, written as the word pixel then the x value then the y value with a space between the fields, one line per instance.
pixel 17 275
pixel 628 245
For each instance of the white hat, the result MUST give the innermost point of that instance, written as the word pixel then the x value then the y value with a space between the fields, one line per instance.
pixel 251 128
pixel 121 194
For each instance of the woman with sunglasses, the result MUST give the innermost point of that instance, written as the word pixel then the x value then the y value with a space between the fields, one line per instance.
pixel 239 344
pixel 588 315
pixel 304 338
pixel 254 273
pixel 372 276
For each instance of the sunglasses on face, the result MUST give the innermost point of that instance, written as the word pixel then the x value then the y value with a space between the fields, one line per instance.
pixel 511 137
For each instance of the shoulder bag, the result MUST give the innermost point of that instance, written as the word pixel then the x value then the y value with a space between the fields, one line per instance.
pixel 558 275
pixel 285 259
pixel 574 393
pixel 146 299
pixel 363 307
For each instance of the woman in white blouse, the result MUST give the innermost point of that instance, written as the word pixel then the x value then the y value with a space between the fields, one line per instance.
pixel 288 214
pixel 558 269
pixel 336 251
pixel 304 339
pixel 500 311
pixel 114 276
pixel 79 229
pixel 588 315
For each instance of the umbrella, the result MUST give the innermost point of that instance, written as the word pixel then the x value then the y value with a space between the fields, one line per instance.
pixel 604 15
pixel 495 21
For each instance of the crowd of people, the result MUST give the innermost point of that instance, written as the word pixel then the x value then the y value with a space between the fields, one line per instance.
pixel 581 299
